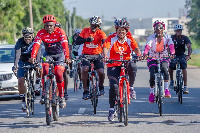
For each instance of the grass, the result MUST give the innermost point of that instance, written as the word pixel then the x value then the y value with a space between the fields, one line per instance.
pixel 195 60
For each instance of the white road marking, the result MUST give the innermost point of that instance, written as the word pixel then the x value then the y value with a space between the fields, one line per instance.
pixel 81 110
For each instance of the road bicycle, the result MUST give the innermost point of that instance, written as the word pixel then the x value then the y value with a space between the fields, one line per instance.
pixel 51 94
pixel 75 73
pixel 29 84
pixel 93 79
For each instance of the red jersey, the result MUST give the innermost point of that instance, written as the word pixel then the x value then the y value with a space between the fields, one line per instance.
pixel 115 48
pixel 55 43
pixel 93 47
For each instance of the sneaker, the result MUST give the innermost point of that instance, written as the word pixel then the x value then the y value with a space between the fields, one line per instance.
pixel 71 74
pixel 167 93
pixel 42 100
pixel 62 102
pixel 171 86
pixel 132 93
pixel 80 85
pixel 185 90
pixel 66 96
pixel 151 98
pixel 37 89
pixel 23 106
pixel 102 92
pixel 111 115
pixel 86 95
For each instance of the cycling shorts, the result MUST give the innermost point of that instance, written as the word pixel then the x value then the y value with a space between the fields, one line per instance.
pixel 183 62
pixel 21 71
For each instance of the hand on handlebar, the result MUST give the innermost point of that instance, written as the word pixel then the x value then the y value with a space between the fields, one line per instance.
pixel 187 57
pixel 68 61
pixel 32 60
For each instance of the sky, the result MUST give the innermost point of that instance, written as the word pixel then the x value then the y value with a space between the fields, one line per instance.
pixel 126 8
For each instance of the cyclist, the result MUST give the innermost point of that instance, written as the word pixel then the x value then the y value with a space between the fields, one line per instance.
pixel 180 41
pixel 157 45
pixel 74 48
pixel 93 38
pixel 22 55
pixel 113 46
pixel 56 47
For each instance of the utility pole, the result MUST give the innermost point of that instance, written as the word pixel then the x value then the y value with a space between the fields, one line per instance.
pixel 30 13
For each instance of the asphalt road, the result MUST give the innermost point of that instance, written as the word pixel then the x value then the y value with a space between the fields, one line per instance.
pixel 78 115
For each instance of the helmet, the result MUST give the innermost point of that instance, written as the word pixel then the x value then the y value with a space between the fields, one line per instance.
pixel 77 31
pixel 58 24
pixel 116 21
pixel 122 23
pixel 49 18
pixel 27 30
pixel 95 20
pixel 178 27
pixel 157 22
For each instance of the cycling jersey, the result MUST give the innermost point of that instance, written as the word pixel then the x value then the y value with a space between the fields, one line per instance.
pixel 93 47
pixel 115 47
pixel 55 43
pixel 179 44
pixel 156 48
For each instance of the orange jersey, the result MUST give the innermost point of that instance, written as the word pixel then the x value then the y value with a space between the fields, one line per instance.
pixel 115 48
pixel 93 47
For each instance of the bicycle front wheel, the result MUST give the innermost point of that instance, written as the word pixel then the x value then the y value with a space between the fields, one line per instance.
pixel 27 98
pixel 125 103
pixel 48 108
pixel 75 75
pixel 32 90
pixel 160 97
pixel 180 85
pixel 94 93
pixel 55 106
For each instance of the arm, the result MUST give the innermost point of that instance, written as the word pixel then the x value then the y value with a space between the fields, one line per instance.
pixel 64 43
pixel 189 49
pixel 17 52
pixel 171 46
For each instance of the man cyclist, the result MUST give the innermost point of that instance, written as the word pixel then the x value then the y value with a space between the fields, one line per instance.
pixel 180 41
pixel 93 38
pixel 56 48
pixel 157 46
pixel 113 46
pixel 74 52
pixel 23 49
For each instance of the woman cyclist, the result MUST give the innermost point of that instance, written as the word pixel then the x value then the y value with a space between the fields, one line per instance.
pixel 157 46
pixel 113 46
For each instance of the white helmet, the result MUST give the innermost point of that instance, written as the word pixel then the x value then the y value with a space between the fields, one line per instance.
pixel 178 27
pixel 95 20
pixel 77 31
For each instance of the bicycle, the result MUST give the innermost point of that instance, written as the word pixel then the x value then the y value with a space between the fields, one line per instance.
pixel 51 94
pixel 29 84
pixel 75 74
pixel 159 84
pixel 123 97
pixel 93 79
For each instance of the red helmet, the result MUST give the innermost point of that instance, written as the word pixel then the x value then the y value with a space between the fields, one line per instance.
pixel 49 18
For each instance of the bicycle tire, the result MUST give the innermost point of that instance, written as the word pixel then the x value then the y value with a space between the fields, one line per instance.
pixel 159 97
pixel 125 103
pixel 55 106
pixel 75 80
pixel 94 96
pixel 48 109
pixel 180 85
pixel 33 80
pixel 27 98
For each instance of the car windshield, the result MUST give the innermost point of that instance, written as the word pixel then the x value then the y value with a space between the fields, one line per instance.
pixel 7 55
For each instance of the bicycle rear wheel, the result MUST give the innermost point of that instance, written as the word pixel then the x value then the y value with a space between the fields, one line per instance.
pixel 125 103
pixel 55 106
pixel 48 109
pixel 159 97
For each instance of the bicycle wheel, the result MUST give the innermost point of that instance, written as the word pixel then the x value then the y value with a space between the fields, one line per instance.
pixel 32 90
pixel 48 109
pixel 75 80
pixel 180 85
pixel 94 94
pixel 159 96
pixel 55 106
pixel 125 103
pixel 27 98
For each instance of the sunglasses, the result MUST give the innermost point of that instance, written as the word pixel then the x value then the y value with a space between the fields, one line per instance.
pixel 94 25
pixel 159 28
pixel 27 37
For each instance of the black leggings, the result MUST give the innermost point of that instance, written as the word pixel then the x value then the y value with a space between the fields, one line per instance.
pixel 113 75
pixel 154 69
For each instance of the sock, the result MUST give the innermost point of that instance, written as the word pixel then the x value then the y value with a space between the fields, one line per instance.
pixel 151 90
pixel 132 88
pixel 166 85
pixel 112 109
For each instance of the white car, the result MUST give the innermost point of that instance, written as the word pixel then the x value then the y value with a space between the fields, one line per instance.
pixel 8 81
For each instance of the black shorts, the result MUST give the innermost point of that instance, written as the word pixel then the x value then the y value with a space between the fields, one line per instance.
pixel 183 62
pixel 97 64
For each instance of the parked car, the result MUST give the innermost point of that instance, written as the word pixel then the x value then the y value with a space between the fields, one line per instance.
pixel 8 81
